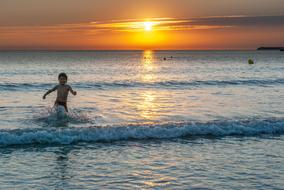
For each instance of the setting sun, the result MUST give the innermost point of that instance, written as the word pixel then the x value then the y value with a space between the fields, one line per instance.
pixel 148 26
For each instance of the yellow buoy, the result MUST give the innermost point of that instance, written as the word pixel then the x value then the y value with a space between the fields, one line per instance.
pixel 250 61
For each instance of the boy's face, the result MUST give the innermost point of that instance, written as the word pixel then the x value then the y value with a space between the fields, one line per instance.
pixel 62 80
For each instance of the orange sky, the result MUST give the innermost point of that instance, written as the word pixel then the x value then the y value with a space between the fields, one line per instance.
pixel 119 24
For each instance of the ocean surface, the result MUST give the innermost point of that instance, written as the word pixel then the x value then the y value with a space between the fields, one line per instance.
pixel 143 120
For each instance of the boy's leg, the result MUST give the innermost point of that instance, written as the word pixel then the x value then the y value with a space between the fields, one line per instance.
pixel 65 106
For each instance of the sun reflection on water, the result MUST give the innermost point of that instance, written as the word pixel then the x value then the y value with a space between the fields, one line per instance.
pixel 148 105
pixel 148 57
pixel 148 67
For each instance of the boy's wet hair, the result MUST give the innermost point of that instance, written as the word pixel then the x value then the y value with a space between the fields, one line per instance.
pixel 62 75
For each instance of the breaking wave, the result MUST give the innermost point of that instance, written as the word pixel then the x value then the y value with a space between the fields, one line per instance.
pixel 65 135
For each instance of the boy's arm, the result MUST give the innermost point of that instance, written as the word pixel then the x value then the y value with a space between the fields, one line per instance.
pixel 49 91
pixel 72 91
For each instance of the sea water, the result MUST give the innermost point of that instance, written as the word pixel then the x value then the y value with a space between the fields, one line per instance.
pixel 143 120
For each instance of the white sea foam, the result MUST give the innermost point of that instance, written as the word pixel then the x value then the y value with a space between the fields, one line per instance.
pixel 153 131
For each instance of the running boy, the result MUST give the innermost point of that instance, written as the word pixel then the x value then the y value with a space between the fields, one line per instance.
pixel 62 91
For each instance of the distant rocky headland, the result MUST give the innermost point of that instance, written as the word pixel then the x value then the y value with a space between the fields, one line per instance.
pixel 271 48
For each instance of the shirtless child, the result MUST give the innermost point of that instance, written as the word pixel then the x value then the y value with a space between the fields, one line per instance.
pixel 62 91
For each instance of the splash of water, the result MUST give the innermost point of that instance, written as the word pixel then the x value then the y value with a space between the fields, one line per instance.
pixel 55 117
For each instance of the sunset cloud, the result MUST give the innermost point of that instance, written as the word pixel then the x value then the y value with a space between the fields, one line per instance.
pixel 161 24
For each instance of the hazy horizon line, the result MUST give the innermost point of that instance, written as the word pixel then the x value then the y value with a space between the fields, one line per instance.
pixel 3 50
